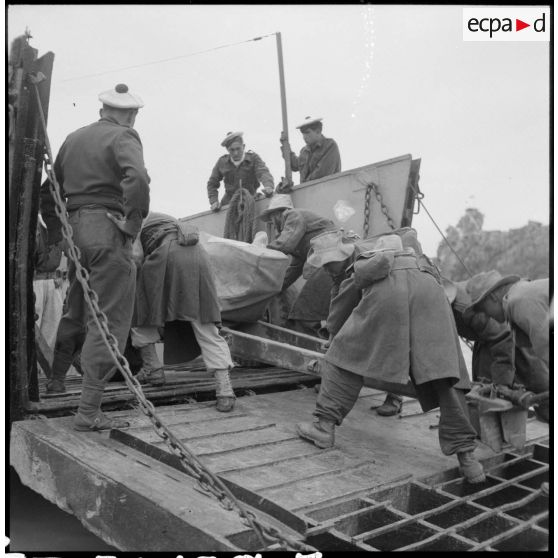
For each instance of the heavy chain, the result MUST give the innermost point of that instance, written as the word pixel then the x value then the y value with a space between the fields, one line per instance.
pixel 367 197
pixel 208 482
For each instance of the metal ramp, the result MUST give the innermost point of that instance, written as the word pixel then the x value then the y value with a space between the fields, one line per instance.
pixel 508 512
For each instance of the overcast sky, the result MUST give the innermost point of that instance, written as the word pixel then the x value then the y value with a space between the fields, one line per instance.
pixel 388 80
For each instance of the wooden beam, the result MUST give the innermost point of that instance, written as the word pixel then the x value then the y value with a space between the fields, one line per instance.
pixel 294 356
pixel 245 345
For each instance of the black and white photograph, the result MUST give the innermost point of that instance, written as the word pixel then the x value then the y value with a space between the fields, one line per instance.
pixel 279 279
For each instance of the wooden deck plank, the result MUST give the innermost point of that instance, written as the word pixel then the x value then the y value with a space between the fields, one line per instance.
pixel 129 500
pixel 370 449
pixel 238 442
pixel 180 385
pixel 265 453
pixel 223 426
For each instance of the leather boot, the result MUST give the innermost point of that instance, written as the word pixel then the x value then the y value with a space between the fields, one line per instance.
pixel 321 432
pixel 472 470
pixel 89 416
pixel 224 392
pixel 55 385
pixel 152 370
pixel 391 405
pixel 61 363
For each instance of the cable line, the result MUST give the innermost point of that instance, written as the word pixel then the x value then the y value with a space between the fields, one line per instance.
pixel 165 59
pixel 421 204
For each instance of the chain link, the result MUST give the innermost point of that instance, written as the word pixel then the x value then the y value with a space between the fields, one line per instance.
pixel 367 197
pixel 207 481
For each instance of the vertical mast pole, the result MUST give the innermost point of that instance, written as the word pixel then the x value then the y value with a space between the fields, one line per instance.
pixel 285 146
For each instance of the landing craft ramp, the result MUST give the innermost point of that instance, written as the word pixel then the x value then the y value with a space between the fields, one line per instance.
pixel 396 181
pixel 384 486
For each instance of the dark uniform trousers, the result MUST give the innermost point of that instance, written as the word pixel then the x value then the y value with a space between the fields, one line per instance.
pixel 106 253
pixel 340 389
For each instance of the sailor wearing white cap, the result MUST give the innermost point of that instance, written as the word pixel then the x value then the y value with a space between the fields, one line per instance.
pixel 120 98
pixel 237 168
pixel 320 157
pixel 102 176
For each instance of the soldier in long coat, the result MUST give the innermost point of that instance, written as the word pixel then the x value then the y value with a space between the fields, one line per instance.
pixel 176 295
pixel 335 253
pixel 391 321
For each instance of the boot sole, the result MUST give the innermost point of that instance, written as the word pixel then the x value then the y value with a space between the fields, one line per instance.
pixel 321 445
pixel 480 477
pixel 387 413
pixel 89 429
pixel 476 480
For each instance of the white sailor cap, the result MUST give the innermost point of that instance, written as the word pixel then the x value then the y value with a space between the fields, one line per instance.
pixel 231 136
pixel 121 98
pixel 308 121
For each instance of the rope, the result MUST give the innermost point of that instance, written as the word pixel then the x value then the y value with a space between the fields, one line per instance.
pixel 240 223
pixel 421 204
pixel 165 59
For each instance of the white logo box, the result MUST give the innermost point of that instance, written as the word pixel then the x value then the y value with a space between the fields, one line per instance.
pixel 500 23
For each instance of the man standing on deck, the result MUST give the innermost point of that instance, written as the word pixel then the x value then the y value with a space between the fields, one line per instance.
pixel 319 157
pixel 101 173
pixel 238 168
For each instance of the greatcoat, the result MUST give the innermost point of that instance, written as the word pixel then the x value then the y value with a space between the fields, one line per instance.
pixel 395 325
pixel 175 281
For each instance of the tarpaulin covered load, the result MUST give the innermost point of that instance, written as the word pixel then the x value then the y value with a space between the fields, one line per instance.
pixel 247 276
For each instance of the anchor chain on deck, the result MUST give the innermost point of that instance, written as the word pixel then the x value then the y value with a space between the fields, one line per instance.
pixel 371 187
pixel 208 481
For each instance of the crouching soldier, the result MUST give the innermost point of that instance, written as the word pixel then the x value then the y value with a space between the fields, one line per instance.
pixel 496 358
pixel 176 293
pixel 391 320
pixel 521 303
pixel 296 228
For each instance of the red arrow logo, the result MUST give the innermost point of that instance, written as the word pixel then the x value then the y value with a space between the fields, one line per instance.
pixel 519 25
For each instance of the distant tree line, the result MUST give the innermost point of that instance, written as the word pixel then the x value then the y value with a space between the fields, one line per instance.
pixel 524 251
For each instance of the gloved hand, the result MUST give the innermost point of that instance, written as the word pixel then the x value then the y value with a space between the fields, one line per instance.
pixel 215 206
pixel 268 191
pixel 327 343
pixel 284 187
pixel 130 226
pixel 285 146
